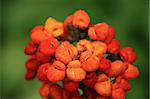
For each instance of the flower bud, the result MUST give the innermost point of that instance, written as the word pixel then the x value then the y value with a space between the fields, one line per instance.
pixel 30 48
pixel 32 64
pixel 42 72
pixel 30 74
pixel 67 23
pixel 90 93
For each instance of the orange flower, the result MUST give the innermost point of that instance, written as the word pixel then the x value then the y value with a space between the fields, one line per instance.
pixel 56 72
pixel 118 94
pixel 117 68
pixel 100 48
pixel 102 78
pixel 114 46
pixel 103 88
pixel 84 45
pixel 66 52
pixel 111 34
pixel 89 62
pixel 120 82
pixel 131 72
pixel 74 64
pixel 124 84
pixel 54 27
pixel 128 54
pixel 81 19
pixel 44 90
pixel 49 46
pixel 102 32
pixel 96 65
pixel 75 72
pixel 92 34
pixel 38 34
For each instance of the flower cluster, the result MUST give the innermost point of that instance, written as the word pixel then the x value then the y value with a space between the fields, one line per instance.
pixel 81 56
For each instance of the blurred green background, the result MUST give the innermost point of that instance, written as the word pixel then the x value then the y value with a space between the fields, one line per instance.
pixel 128 17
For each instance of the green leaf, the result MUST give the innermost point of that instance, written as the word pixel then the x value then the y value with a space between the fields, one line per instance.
pixel 112 79
pixel 80 91
pixel 88 38
pixel 74 43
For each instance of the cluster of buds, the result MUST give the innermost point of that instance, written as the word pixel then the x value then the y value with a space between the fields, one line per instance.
pixel 82 56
